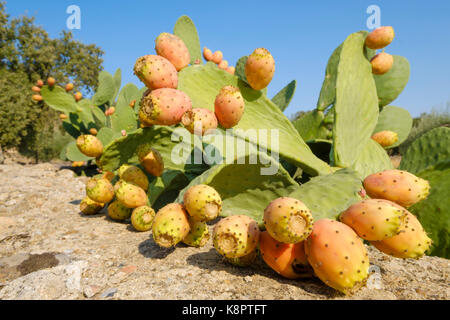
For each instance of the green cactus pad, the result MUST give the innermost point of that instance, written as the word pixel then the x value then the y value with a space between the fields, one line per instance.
pixel 106 89
pixel 243 189
pixel 107 135
pixel 392 83
pixel 434 212
pixel 427 151
pixel 117 83
pixel 129 93
pixel 124 118
pixel 310 127
pixel 327 196
pixel 356 107
pixel 186 30
pixel 328 91
pixel 57 98
pixel 373 158
pixel 99 116
pixel 284 97
pixel 397 120
pixel 240 68
pixel 202 84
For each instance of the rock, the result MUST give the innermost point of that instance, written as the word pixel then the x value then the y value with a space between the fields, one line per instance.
pixel 108 293
pixel 90 291
pixel 61 282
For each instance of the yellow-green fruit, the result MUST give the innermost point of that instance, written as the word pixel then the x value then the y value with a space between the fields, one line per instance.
pixel 100 190
pixel 117 211
pixel 171 225
pixel 236 236
pixel 199 234
pixel 90 207
pixel 134 175
pixel 202 202
pixel 89 145
pixel 131 195
pixel 288 220
pixel 151 160
pixel 142 218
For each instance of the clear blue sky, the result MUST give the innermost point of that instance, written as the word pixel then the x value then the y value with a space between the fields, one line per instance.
pixel 300 35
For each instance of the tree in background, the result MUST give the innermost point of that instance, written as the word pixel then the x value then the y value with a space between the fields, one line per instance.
pixel 26 55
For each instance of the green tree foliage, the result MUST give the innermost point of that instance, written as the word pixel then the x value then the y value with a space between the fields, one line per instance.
pixel 27 54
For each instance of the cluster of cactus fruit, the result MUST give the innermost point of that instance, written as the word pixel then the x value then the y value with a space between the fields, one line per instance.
pixel 334 184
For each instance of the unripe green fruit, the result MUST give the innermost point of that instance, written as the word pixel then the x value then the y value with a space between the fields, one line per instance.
pixel 117 211
pixel 142 218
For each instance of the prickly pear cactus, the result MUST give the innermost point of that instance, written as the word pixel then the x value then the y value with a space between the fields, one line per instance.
pixel 87 114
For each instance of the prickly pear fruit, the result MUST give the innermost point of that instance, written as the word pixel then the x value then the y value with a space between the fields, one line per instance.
pixel 118 211
pixel 164 107
pixel 229 106
pixel 51 81
pixel 337 255
pixel 385 138
pixel 288 220
pixel 100 190
pixel 78 96
pixel 244 261
pixel 231 70
pixel 202 202
pixel 171 225
pixel 411 242
pixel 142 218
pixel 37 98
pixel 398 186
pixel 156 72
pixel 132 103
pixel 207 54
pixel 236 236
pixel 69 87
pixel 380 38
pixel 133 175
pixel 374 219
pixel 199 121
pixel 93 131
pixel 131 195
pixel 259 69
pixel 36 89
pixel 123 133
pixel 90 207
pixel 198 235
pixel 40 83
pixel 62 116
pixel 223 64
pixel 150 159
pixel 110 111
pixel 173 49
pixel 288 260
pixel 382 63
pixel 89 145
pixel 217 57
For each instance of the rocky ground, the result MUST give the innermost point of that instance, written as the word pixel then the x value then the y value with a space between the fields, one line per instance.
pixel 48 250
